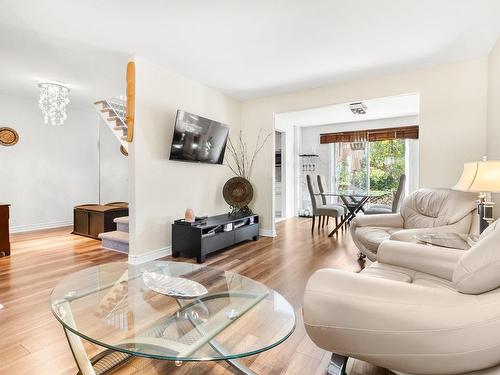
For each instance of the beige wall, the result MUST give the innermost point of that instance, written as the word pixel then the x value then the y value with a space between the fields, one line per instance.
pixel 453 100
pixel 162 189
pixel 493 144
pixel 494 103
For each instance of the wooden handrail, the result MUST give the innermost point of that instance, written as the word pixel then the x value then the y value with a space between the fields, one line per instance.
pixel 130 107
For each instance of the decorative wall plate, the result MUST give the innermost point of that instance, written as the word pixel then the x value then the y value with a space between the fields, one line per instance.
pixel 238 192
pixel 8 136
pixel 173 286
pixel 123 151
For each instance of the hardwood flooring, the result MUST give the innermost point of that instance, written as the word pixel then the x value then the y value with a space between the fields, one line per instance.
pixel 32 341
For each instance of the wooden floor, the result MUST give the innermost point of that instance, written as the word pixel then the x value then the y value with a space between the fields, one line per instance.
pixel 32 341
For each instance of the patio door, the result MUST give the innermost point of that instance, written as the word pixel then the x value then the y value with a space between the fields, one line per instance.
pixel 373 165
pixel 350 167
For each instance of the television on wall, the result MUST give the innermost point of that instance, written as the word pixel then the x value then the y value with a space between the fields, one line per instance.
pixel 198 139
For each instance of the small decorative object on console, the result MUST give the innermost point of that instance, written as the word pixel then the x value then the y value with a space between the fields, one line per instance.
pixel 238 193
pixel 189 215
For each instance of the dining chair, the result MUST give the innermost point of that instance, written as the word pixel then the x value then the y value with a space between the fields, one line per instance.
pixel 323 188
pixel 320 210
pixel 375 209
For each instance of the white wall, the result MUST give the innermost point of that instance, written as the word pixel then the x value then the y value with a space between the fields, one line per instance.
pixel 494 111
pixel 113 171
pixel 494 103
pixel 162 189
pixel 51 169
pixel 452 101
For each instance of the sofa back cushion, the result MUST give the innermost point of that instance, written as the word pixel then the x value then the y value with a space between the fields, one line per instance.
pixel 478 270
pixel 427 208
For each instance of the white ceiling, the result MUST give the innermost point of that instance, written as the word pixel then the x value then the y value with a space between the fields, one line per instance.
pixel 380 108
pixel 26 57
pixel 250 48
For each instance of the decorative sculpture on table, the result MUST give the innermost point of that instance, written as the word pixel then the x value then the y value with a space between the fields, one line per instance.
pixel 189 215
pixel 238 191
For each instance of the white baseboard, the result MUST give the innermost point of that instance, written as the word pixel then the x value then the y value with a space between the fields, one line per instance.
pixel 150 255
pixel 31 227
pixel 267 232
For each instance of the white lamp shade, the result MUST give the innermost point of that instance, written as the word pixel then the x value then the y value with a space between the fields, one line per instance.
pixel 487 177
pixel 467 177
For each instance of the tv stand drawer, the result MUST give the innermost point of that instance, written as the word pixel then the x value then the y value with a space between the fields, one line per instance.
pixel 246 232
pixel 217 241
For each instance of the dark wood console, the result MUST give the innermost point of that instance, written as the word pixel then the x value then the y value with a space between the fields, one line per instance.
pixel 4 230
pixel 91 219
pixel 199 240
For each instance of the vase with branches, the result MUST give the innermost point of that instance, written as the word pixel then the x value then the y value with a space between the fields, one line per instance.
pixel 239 161
pixel 238 191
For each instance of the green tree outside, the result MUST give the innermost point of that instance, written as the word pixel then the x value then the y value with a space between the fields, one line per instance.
pixel 384 175
pixel 387 164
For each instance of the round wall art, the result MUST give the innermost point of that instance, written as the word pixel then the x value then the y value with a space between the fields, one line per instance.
pixel 8 136
pixel 123 151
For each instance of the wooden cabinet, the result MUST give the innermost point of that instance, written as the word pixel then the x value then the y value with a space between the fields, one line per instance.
pixel 90 220
pixel 4 230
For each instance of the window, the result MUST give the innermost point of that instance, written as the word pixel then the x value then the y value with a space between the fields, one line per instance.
pixel 373 165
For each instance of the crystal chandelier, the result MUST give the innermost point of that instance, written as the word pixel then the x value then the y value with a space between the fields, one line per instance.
pixel 54 97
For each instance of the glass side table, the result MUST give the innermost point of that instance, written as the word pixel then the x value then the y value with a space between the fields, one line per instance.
pixel 449 240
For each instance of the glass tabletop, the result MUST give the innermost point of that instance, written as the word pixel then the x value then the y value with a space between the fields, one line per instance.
pixel 111 306
pixel 355 193
pixel 449 240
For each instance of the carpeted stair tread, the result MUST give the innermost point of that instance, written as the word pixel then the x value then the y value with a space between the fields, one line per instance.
pixel 116 235
pixel 121 220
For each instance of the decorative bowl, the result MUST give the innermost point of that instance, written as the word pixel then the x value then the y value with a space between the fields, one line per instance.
pixel 173 286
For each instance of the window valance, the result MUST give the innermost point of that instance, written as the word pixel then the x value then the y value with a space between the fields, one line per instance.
pixel 372 135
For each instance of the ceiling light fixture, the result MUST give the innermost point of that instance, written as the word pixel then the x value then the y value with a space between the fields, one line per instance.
pixel 358 108
pixel 54 97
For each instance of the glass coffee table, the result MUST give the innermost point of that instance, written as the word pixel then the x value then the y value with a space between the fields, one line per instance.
pixel 111 306
pixel 449 240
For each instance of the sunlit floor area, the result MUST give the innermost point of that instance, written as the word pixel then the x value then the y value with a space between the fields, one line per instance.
pixel 32 341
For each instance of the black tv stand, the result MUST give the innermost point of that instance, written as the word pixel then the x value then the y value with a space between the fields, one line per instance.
pixel 199 240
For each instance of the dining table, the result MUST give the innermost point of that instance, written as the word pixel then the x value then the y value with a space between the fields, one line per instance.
pixel 354 201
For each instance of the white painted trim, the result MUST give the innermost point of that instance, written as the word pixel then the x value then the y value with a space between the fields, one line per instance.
pixel 31 227
pixel 150 255
pixel 267 232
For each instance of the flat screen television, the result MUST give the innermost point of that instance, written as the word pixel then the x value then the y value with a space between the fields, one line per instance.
pixel 198 139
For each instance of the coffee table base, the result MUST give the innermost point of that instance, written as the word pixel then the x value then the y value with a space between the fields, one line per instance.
pixel 108 360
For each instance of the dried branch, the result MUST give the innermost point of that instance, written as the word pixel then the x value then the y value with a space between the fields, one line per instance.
pixel 238 160
pixel 258 148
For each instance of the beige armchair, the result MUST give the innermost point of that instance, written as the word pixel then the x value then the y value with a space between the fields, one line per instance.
pixel 424 210
pixel 417 310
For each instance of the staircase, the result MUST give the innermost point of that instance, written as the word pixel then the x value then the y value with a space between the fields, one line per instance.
pixel 113 111
pixel 118 239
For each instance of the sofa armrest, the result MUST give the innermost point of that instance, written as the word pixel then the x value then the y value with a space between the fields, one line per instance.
pixel 381 220
pixel 408 235
pixel 434 260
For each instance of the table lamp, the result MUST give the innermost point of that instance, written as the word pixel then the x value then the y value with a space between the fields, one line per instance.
pixel 481 177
